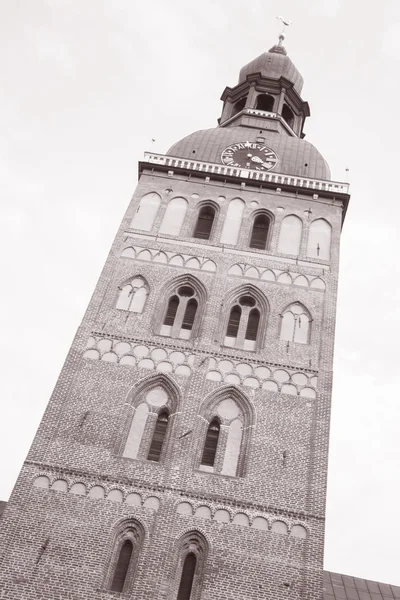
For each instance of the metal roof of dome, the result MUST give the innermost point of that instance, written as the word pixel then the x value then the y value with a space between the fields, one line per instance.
pixel 274 64
pixel 295 156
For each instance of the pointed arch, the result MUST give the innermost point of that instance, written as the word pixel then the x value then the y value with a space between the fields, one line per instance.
pixel 206 220
pixel 146 212
pixel 181 306
pixel 127 540
pixel 295 324
pixel 319 239
pixel 232 409
pixel 290 235
pixel 174 216
pixel 244 317
pixel 133 294
pixel 261 229
pixel 191 549
pixel 146 427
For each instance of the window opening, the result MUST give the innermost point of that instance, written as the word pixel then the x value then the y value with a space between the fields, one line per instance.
pixel 190 314
pixel 171 311
pixel 252 325
pixel 158 436
pixel 121 570
pixel 288 115
pixel 186 583
pixel 204 223
pixel 211 443
pixel 240 104
pixel 265 102
pixel 234 321
pixel 259 234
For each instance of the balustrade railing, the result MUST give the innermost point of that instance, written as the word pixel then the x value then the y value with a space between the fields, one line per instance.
pixel 269 176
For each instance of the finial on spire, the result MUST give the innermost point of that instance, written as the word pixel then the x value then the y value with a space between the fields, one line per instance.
pixel 278 48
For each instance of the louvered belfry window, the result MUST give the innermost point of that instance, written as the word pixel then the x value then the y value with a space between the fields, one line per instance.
pixel 190 314
pixel 252 324
pixel 171 311
pixel 259 235
pixel 158 436
pixel 211 444
pixel 234 321
pixel 185 586
pixel 204 223
pixel 122 567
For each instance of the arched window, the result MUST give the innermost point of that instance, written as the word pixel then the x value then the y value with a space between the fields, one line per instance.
pixel 259 233
pixel 244 324
pixel 204 223
pixel 146 212
pixel 174 216
pixel 238 106
pixel 186 583
pixel 122 567
pixel 133 295
pixel 192 550
pixel 181 313
pixel 230 410
pixel 319 240
pixel 265 102
pixel 288 115
pixel 125 549
pixel 290 235
pixel 211 444
pixel 140 437
pixel 158 436
pixel 295 325
pixel 233 222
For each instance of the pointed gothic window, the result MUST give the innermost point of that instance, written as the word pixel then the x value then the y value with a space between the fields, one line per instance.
pixel 158 436
pixel 133 295
pixel 181 312
pixel 204 223
pixel 186 583
pixel 265 102
pixel 122 567
pixel 295 325
pixel 211 444
pixel 259 234
pixel 147 211
pixel 290 235
pixel 243 324
pixel 319 240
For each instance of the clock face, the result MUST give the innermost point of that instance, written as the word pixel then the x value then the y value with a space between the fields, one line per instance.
pixel 249 155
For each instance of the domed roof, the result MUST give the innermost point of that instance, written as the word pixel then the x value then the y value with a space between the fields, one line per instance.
pixel 295 156
pixel 274 64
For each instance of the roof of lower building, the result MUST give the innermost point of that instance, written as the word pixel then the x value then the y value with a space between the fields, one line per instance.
pixel 345 587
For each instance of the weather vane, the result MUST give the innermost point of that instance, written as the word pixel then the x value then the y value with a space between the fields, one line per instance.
pixel 285 24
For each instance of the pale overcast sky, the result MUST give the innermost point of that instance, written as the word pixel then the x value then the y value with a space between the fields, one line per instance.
pixel 84 87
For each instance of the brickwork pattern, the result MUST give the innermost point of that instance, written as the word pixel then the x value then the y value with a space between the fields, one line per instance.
pixel 59 544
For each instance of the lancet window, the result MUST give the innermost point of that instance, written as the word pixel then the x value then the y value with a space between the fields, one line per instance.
pixel 260 231
pixel 147 211
pixel 319 240
pixel 128 539
pixel 205 221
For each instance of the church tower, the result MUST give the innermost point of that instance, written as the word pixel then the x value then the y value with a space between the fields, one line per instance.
pixel 184 452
